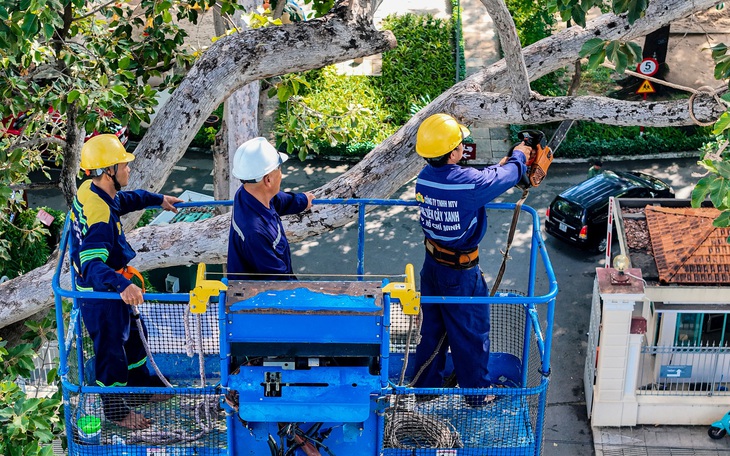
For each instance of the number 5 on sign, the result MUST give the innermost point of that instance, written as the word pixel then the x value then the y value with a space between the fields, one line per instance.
pixel 648 67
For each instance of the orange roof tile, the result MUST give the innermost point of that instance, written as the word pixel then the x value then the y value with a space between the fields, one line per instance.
pixel 687 248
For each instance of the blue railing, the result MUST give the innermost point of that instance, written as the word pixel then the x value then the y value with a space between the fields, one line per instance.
pixel 530 302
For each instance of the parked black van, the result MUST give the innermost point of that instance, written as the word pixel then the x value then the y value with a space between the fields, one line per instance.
pixel 579 214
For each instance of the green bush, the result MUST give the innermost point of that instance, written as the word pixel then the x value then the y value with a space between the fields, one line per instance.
pixel 29 241
pixel 29 425
pixel 329 113
pixel 422 65
pixel 590 139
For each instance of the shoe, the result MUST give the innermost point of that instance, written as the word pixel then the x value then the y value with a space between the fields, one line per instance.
pixel 134 421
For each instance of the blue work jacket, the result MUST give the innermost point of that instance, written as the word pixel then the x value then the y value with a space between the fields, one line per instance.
pixel 257 242
pixel 98 246
pixel 452 199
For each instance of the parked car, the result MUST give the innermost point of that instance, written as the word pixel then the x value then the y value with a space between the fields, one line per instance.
pixel 579 214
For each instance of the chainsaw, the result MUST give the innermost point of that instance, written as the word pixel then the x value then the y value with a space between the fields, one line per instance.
pixel 536 171
pixel 544 153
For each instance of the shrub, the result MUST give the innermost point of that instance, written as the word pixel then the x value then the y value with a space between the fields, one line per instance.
pixel 328 113
pixel 589 139
pixel 29 242
pixel 28 425
pixel 423 64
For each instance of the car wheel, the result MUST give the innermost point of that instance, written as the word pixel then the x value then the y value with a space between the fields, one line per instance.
pixel 601 246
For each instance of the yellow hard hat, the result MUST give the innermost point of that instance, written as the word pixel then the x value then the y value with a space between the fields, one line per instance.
pixel 438 135
pixel 103 151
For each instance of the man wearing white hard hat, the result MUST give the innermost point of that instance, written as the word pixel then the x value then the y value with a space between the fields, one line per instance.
pixel 257 245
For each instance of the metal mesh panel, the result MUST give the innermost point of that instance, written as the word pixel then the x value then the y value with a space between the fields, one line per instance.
pixel 174 338
pixel 462 423
pixel 481 421
pixel 184 423
pixel 400 324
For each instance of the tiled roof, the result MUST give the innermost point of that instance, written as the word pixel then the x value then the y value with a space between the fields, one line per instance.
pixel 687 248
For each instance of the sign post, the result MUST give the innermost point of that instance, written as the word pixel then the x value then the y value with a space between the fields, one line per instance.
pixel 646 87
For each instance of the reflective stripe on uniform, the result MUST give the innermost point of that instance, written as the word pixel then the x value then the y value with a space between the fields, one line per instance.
pixel 91 254
pixel 113 384
pixel 444 186
pixel 141 362
pixel 235 226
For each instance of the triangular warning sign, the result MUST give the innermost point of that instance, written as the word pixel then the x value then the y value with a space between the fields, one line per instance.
pixel 646 87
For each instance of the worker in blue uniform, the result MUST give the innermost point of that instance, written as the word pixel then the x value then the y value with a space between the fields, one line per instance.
pixel 454 221
pixel 257 245
pixel 100 256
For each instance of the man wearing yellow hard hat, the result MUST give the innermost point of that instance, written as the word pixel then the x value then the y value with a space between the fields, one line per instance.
pixel 454 221
pixel 100 256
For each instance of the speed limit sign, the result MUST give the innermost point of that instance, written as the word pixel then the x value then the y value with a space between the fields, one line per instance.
pixel 648 66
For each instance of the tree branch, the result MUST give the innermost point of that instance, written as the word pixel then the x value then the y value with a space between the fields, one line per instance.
pixel 360 10
pixel 512 48
pixel 96 10
pixel 48 185
pixel 236 60
pixel 497 109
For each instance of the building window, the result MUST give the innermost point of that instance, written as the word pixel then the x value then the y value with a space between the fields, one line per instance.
pixel 698 329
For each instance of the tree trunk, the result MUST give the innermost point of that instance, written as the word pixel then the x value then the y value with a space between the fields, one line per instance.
pixel 237 60
pixel 71 156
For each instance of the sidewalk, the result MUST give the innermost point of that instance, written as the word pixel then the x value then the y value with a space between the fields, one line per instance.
pixel 658 441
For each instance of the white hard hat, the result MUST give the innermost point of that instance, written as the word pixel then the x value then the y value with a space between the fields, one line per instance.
pixel 256 158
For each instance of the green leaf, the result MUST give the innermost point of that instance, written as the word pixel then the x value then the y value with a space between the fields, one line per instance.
pixel 72 96
pixel 699 193
pixel 30 25
pixel 718 192
pixel 591 47
pixel 124 62
pixel 723 169
pixel 48 31
pixel 722 67
pixel 622 61
pixel 636 10
pixel 596 60
pixel 722 124
pixel 283 93
pixel 718 50
pixel 722 220
pixel 579 15
pixel 635 51
pixel 119 89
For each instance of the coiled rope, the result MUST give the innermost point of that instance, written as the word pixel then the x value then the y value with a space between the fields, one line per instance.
pixel 414 430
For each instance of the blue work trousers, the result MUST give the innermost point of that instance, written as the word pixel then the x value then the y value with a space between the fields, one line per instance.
pixel 466 327
pixel 119 355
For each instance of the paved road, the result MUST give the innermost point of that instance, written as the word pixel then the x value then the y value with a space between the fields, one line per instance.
pixel 394 239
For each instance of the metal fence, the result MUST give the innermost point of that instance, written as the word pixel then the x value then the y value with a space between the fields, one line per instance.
pixel 684 371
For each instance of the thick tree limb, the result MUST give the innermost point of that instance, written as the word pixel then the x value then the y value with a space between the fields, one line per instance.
pixel 487 107
pixel 510 44
pixel 71 155
pixel 237 60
